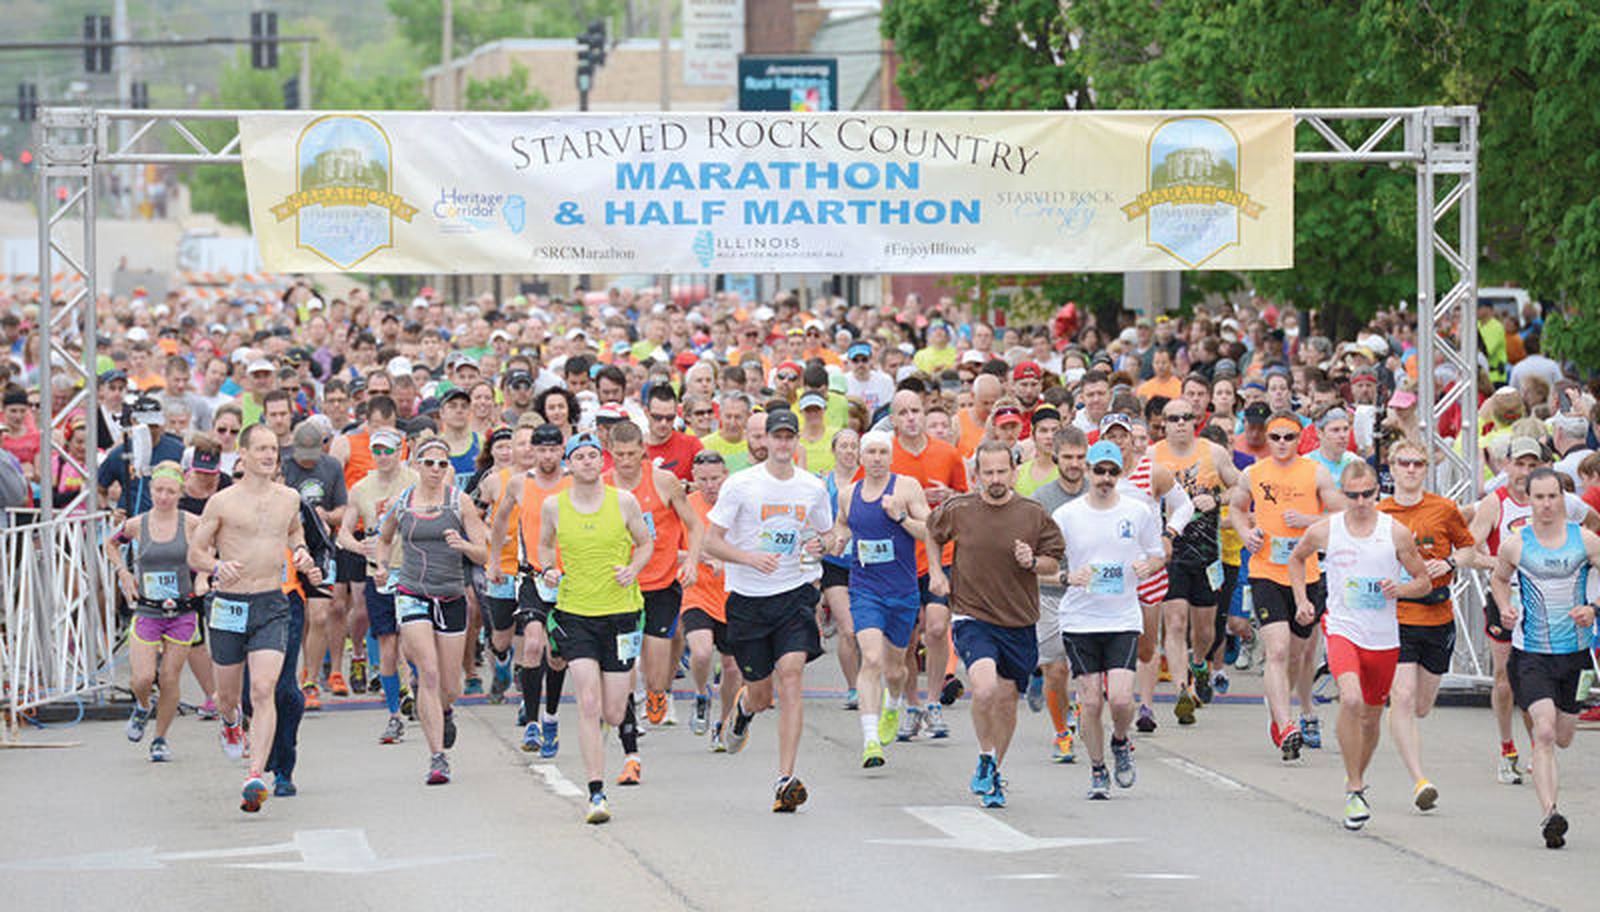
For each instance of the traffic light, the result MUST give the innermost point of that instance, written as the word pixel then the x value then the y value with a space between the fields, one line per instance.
pixel 141 95
pixel 264 41
pixel 591 57
pixel 97 41
pixel 25 158
pixel 291 94
pixel 595 38
pixel 27 102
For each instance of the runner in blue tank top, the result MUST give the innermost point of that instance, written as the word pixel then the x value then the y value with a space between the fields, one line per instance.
pixel 881 517
pixel 1551 617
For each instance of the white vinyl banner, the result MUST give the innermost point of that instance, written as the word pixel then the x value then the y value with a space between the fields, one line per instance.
pixel 408 192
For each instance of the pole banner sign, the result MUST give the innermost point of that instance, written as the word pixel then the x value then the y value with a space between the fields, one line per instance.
pixel 856 192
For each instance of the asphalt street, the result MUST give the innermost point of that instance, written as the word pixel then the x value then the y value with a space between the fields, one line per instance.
pixel 1214 817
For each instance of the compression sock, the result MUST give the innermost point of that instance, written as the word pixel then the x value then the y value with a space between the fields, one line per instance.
pixel 628 731
pixel 531 680
pixel 1058 713
pixel 391 692
pixel 553 679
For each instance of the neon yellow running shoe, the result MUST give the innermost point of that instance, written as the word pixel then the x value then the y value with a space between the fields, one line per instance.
pixel 872 755
pixel 888 726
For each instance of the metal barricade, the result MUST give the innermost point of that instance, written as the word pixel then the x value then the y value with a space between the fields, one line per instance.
pixel 59 623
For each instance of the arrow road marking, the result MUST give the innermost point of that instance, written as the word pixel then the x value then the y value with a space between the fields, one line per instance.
pixel 321 851
pixel 555 781
pixel 973 830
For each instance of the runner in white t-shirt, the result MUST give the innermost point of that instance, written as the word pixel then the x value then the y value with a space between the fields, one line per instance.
pixel 1113 542
pixel 1368 554
pixel 767 526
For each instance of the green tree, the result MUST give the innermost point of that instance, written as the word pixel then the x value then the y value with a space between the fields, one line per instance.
pixel 510 92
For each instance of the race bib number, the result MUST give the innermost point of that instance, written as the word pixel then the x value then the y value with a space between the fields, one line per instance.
pixel 160 585
pixel 1283 547
pixel 229 615
pixel 546 592
pixel 1214 574
pixel 875 551
pixel 1106 579
pixel 628 645
pixel 389 582
pixel 778 541
pixel 505 589
pixel 409 606
pixel 650 524
pixel 1365 593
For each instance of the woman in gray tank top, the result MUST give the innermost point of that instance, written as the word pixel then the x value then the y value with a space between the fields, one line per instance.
pixel 436 524
pixel 156 580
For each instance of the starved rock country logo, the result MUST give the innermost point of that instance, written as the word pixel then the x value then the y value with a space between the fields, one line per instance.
pixel 344 206
pixel 1193 203
pixel 704 248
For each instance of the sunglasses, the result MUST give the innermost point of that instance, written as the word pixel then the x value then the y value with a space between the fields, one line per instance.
pixel 788 376
pixel 707 457
pixel 1361 495
pixel 1410 463
pixel 662 417
pixel 1282 438
pixel 382 451
pixel 860 360
pixel 1104 471
pixel 434 463
pixel 229 431
pixel 700 412
pixel 1179 419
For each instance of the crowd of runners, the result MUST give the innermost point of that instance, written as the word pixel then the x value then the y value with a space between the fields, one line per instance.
pixel 321 497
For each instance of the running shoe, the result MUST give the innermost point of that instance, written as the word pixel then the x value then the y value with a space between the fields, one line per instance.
pixel 1061 748
pixel 253 795
pixel 632 770
pixel 1592 714
pixel 983 777
pixel 1122 759
pixel 717 745
pixel 1247 648
pixel 438 770
pixel 374 684
pixel 137 720
pixel 1554 830
pixel 207 710
pixel 851 699
pixel 283 786
pixel 1290 744
pixel 1036 691
pixel 671 715
pixel 312 695
pixel 1220 682
pixel 598 811
pixel 872 755
pixel 393 731
pixel 702 714
pixel 995 797
pixel 358 676
pixel 337 685
pixel 1165 674
pixel 232 737
pixel 1425 795
pixel 1146 722
pixel 1185 707
pixel 474 686
pixel 889 725
pixel 1311 731
pixel 1099 783
pixel 159 751
pixel 910 724
pixel 549 738
pixel 449 730
pixel 952 690
pixel 739 731
pixel 791 793
pixel 530 738
pixel 501 682
pixel 655 707
pixel 1356 811
pixel 933 721
pixel 1203 690
pixel 1509 773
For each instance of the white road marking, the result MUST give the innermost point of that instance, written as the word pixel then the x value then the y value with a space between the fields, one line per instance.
pixel 1200 772
pixel 1025 877
pixel 974 830
pixel 321 851
pixel 1162 876
pixel 555 781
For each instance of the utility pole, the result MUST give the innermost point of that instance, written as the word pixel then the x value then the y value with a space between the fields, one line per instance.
pixel 447 41
pixel 305 77
pixel 664 28
pixel 122 62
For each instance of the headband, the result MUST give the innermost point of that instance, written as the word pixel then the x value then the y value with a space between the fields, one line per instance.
pixel 429 444
pixel 1284 419
pixel 166 472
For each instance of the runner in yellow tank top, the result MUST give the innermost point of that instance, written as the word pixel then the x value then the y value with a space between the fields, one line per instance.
pixel 1278 498
pixel 596 625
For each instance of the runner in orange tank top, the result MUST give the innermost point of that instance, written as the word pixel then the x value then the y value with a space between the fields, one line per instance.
pixel 675 528
pixel 515 527
pixel 705 613
pixel 1278 498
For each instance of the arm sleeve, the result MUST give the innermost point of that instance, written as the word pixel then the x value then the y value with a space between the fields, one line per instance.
pixel 1180 509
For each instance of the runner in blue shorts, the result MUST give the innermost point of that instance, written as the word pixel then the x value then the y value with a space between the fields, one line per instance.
pixel 880 518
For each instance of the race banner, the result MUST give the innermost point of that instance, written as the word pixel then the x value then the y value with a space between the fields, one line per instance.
pixel 1015 192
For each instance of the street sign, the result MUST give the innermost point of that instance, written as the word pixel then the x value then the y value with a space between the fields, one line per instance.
pixel 713 38
pixel 788 83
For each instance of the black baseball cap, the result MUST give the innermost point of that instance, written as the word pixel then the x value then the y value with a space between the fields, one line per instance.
pixel 454 393
pixel 1257 413
pixel 518 376
pixel 782 420
pixel 547 435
